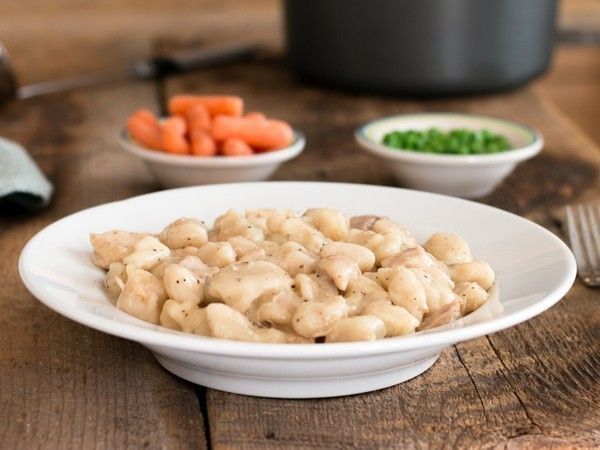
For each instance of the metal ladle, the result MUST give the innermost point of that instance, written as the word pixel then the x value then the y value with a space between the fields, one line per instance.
pixel 152 68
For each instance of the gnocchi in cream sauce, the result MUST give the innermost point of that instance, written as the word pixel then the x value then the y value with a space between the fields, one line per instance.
pixel 272 275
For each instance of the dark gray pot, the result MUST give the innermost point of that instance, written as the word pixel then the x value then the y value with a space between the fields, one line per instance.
pixel 420 46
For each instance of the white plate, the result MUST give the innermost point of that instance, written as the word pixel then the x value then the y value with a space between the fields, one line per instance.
pixel 534 270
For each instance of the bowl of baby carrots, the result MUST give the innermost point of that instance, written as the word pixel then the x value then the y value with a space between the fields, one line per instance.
pixel 209 139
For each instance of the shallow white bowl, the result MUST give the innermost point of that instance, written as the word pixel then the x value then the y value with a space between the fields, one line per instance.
pixel 469 176
pixel 534 270
pixel 182 170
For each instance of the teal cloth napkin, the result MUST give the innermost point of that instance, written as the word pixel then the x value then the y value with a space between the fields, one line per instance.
pixel 21 181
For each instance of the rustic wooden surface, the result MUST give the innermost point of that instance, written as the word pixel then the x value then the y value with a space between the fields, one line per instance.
pixel 63 385
pixel 514 388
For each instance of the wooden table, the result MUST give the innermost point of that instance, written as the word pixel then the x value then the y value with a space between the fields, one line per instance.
pixel 63 385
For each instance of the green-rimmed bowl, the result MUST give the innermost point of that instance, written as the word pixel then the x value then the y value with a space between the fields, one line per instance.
pixel 469 176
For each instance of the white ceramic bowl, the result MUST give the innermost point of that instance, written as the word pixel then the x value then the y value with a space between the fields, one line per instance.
pixel 534 270
pixel 469 176
pixel 181 170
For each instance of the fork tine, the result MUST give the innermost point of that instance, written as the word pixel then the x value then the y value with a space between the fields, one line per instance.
pixel 595 227
pixel 574 239
pixel 587 238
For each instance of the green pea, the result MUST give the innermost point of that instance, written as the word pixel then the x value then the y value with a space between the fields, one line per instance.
pixel 457 141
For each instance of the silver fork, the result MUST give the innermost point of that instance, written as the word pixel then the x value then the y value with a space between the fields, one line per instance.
pixel 583 223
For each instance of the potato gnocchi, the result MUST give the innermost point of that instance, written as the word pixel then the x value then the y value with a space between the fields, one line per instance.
pixel 272 275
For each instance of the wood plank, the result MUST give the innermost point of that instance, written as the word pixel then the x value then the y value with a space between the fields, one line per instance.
pixel 477 394
pixel 573 85
pixel 579 15
pixel 63 385
pixel 68 37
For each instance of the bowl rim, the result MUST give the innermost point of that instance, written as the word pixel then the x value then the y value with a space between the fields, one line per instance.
pixel 509 156
pixel 190 161
pixel 188 342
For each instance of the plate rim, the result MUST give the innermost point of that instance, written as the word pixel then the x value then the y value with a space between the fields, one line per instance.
pixel 174 340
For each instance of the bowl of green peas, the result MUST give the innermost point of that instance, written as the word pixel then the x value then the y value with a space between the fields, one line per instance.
pixel 458 154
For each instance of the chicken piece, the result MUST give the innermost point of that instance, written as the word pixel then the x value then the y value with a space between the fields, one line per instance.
pixel 112 246
pixel 227 323
pixel 314 287
pixel 293 258
pixel 186 317
pixel 217 254
pixel 448 313
pixel 239 285
pixel 364 223
pixel 115 279
pixel 449 248
pixel 184 233
pixel 143 295
pixel 147 252
pixel 440 273
pixel 340 269
pixel 313 319
pixel 383 225
pixel 182 285
pixel 362 255
pixel 358 328
pixel 332 223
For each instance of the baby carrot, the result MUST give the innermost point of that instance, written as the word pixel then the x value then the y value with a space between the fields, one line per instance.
pixel 255 115
pixel 146 116
pixel 265 134
pixel 228 105
pixel 198 119
pixel 176 123
pixel 172 136
pixel 146 134
pixel 203 144
pixel 235 147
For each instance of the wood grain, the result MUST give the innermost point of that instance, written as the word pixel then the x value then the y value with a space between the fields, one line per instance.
pixel 63 385
pixel 533 385
pixel 56 39
pixel 66 386
pixel 573 84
